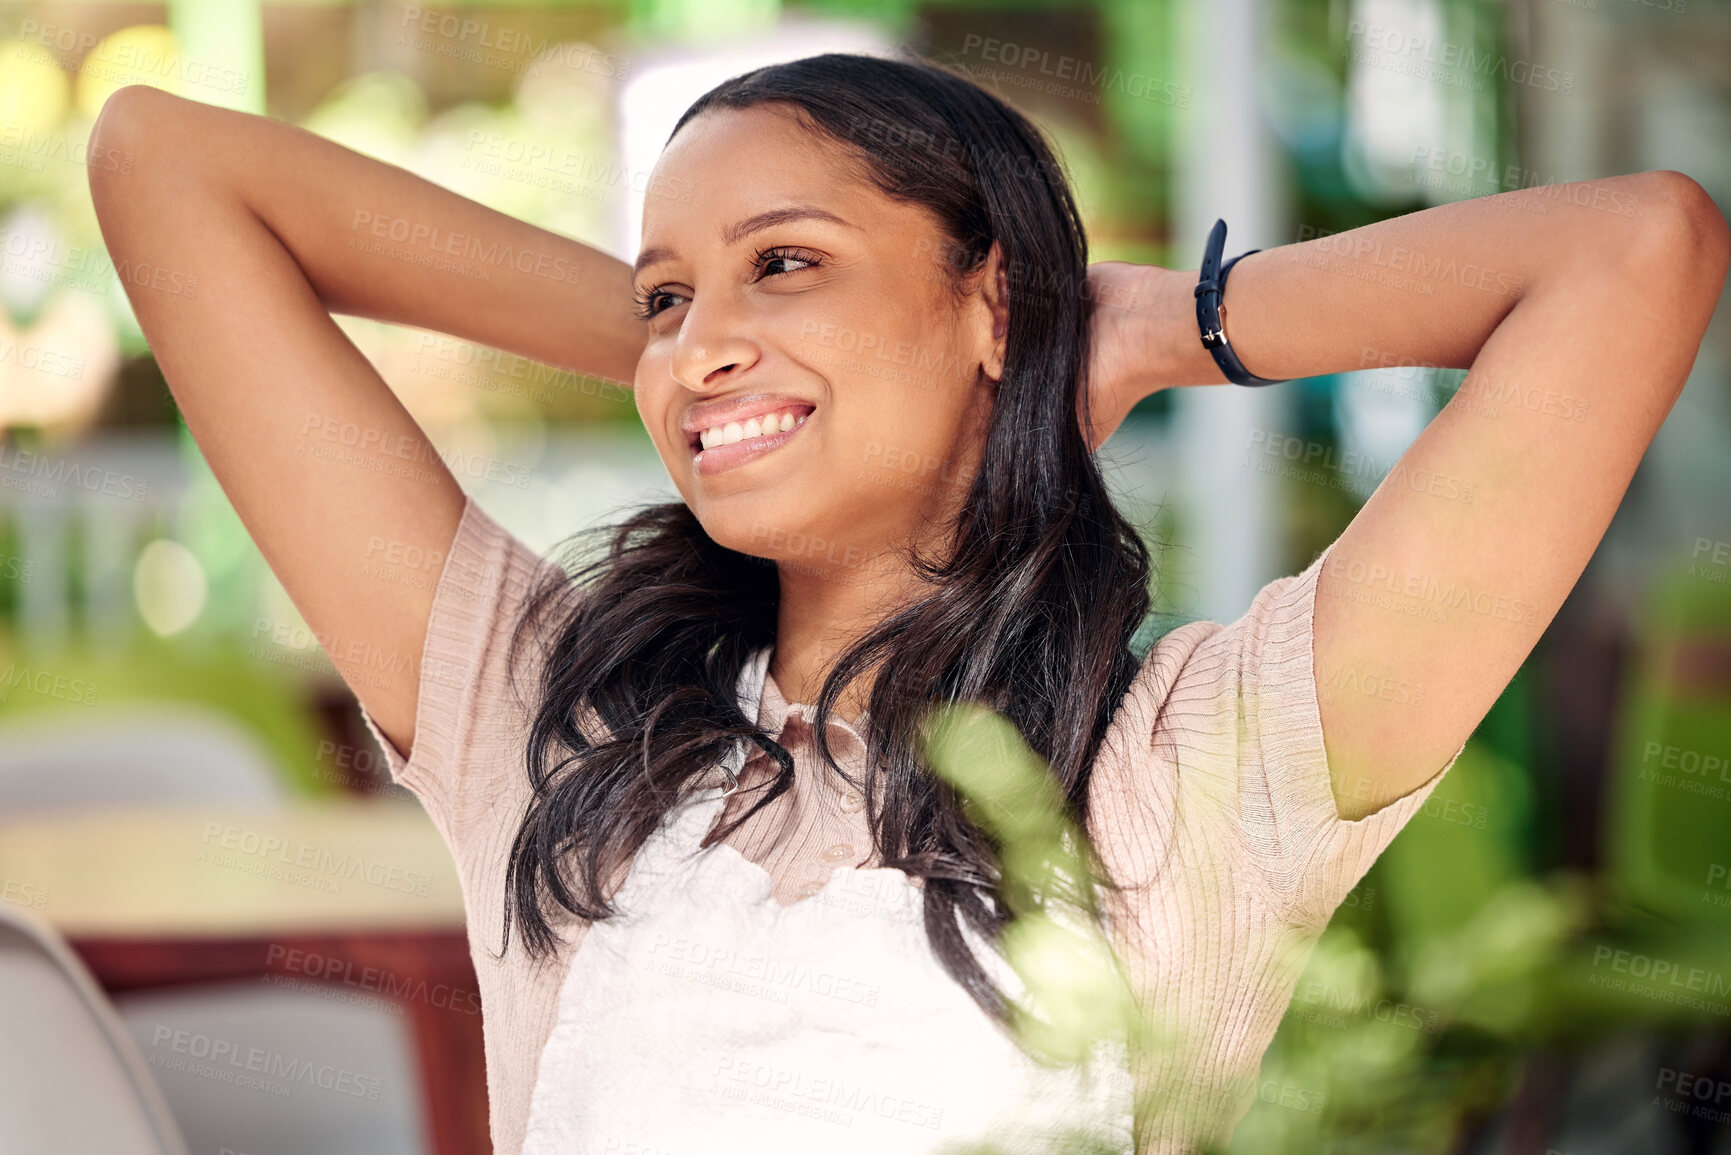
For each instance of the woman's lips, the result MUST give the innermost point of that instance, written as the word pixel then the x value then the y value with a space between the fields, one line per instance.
pixel 721 458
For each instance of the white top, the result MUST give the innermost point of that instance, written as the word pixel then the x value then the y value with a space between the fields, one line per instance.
pixel 709 1016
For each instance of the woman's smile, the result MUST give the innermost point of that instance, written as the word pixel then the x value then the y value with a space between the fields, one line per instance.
pixel 731 445
pixel 727 432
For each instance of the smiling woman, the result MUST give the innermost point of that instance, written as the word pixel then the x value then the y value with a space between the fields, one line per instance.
pixel 1004 573
pixel 692 772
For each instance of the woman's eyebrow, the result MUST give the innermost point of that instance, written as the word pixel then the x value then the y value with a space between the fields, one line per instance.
pixel 764 220
pixel 735 233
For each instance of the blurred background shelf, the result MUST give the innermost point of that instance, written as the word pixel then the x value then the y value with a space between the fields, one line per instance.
pixel 201 871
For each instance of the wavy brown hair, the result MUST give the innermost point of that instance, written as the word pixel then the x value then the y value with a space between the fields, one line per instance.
pixel 1032 613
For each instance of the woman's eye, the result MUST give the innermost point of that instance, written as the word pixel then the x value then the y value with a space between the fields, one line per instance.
pixel 771 262
pixel 771 257
pixel 647 301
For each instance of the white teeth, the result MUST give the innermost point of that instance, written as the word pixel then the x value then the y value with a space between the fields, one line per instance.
pixel 752 427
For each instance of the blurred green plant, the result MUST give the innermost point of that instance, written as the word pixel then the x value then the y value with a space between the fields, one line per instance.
pixel 1399 1035
pixel 1076 991
pixel 1076 1005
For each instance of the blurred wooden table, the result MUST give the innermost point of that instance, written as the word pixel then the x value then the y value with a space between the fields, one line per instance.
pixel 153 897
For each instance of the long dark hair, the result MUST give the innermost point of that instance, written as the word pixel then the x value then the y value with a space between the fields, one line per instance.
pixel 1033 613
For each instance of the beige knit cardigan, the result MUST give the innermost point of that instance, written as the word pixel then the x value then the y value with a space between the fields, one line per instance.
pixel 1210 804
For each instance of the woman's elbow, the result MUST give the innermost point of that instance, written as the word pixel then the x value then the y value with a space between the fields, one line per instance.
pixel 1684 244
pixel 119 134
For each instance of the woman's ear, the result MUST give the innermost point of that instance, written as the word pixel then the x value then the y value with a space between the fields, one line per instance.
pixel 996 292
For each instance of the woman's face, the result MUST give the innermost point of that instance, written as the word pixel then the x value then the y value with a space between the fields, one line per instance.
pixel 803 326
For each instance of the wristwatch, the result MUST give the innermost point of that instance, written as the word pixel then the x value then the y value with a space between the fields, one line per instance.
pixel 1210 292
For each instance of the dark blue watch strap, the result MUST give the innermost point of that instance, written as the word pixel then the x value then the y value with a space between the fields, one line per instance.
pixel 1210 291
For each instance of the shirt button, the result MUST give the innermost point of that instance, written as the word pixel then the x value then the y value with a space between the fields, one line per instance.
pixel 838 852
pixel 852 802
pixel 807 889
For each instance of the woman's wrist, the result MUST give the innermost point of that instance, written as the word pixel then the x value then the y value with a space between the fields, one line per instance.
pixel 1162 325
pixel 1189 361
pixel 1144 340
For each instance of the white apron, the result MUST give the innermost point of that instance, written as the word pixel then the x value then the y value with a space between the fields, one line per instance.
pixel 707 1017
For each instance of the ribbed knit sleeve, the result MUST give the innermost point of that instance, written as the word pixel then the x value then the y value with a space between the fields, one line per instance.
pixel 1310 856
pixel 467 699
pixel 1240 721
pixel 1212 806
pixel 467 768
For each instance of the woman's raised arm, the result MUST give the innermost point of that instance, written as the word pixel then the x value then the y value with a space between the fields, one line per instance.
pixel 1578 310
pixel 236 237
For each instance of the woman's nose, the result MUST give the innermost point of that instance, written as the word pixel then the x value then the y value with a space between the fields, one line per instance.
pixel 713 346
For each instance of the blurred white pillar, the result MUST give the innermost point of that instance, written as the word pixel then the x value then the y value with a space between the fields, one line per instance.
pixel 666 79
pixel 223 34
pixel 1397 122
pixel 1227 167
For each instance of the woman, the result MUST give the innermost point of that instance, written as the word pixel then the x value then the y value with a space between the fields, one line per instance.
pixel 881 264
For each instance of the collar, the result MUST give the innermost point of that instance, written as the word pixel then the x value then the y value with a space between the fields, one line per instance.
pixel 758 691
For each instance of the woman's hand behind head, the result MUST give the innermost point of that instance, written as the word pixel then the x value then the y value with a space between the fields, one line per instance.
pixel 1140 315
